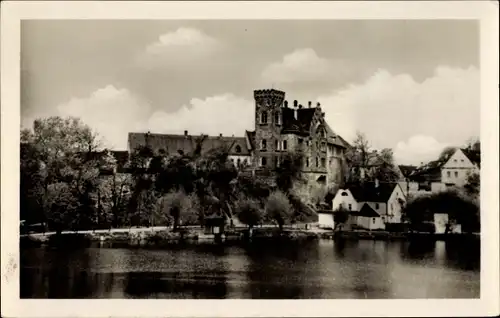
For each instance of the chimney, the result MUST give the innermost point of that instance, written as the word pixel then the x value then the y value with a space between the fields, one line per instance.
pixel 295 103
pixel 185 133
pixel 310 104
pixel 295 114
pixel 300 106
pixel 220 135
pixel 286 104
pixel 318 105
pixel 323 115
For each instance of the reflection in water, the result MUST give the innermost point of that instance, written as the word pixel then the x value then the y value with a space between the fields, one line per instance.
pixel 317 269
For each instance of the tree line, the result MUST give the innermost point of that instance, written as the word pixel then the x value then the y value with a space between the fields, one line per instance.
pixel 65 185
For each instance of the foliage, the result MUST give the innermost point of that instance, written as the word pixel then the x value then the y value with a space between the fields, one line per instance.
pixel 248 211
pixel 278 208
pixel 341 216
pixel 178 207
pixel 460 208
pixel 289 171
pixel 473 185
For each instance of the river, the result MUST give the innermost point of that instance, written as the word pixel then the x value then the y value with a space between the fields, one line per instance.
pixel 321 269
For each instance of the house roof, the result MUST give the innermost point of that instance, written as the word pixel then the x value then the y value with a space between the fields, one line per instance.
pixel 407 170
pixel 251 138
pixel 369 192
pixel 172 144
pixel 367 211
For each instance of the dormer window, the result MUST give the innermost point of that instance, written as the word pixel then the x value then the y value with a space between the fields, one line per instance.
pixel 277 118
pixel 263 118
pixel 238 148
pixel 344 194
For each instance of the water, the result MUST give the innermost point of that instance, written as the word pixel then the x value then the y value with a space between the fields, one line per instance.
pixel 318 269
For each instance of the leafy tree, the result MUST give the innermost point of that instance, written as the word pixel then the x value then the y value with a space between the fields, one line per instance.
pixel 249 211
pixel 58 151
pixel 473 185
pixel 180 207
pixel 341 216
pixel 289 171
pixel 278 208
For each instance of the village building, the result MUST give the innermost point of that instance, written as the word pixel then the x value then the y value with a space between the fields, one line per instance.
pixel 385 199
pixel 280 129
pixel 452 170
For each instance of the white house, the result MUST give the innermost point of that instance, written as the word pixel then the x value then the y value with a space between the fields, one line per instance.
pixel 449 171
pixel 385 199
pixel 367 218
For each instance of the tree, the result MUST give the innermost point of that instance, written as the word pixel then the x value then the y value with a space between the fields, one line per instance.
pixel 278 208
pixel 473 185
pixel 289 171
pixel 341 216
pixel 386 171
pixel 59 151
pixel 180 207
pixel 249 211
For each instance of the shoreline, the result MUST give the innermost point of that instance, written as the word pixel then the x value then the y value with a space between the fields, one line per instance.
pixel 164 238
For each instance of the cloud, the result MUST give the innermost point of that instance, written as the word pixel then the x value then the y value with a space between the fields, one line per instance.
pixel 111 112
pixel 301 65
pixel 182 45
pixel 226 114
pixel 114 112
pixel 390 108
pixel 418 149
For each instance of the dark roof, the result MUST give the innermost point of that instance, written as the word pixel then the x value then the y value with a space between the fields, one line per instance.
pixel 367 211
pixel 431 171
pixel 473 155
pixel 171 144
pixel 407 170
pixel 368 192
pixel 302 125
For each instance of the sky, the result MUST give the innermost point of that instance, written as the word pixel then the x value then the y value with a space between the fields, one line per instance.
pixel 409 85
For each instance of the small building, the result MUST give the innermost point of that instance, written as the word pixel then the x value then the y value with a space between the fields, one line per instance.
pixel 214 224
pixel 367 218
pixel 325 219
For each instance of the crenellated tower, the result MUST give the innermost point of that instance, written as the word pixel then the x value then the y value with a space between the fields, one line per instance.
pixel 268 124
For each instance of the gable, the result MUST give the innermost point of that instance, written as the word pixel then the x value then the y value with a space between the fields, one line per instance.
pixel 458 160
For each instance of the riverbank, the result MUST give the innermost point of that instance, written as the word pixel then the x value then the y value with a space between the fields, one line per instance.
pixel 165 237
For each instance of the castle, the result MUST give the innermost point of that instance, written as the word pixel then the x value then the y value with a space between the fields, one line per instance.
pixel 280 128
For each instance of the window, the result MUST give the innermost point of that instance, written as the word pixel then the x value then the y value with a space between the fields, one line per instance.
pixel 277 145
pixel 300 141
pixel 263 118
pixel 263 161
pixel 448 174
pixel 323 162
pixel 276 162
pixel 456 174
pixel 263 144
pixel 232 160
pixel 277 118
pixel 461 160
pixel 322 133
pixel 373 220
pixel 317 162
pixel 377 206
pixel 454 160
pixel 238 148
pixel 307 162
pixel 284 145
pixel 350 207
pixel 238 162
pixel 344 194
pixel 391 206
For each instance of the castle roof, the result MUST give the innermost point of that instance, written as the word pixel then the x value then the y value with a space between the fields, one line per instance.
pixel 370 192
pixel 171 144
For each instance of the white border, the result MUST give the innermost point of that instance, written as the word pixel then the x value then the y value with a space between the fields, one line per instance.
pixel 13 12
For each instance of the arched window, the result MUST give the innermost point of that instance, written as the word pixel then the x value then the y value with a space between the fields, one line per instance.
pixel 238 148
pixel 263 161
pixel 277 118
pixel 263 118
pixel 344 194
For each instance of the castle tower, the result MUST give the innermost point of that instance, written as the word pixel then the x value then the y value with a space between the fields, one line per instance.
pixel 268 123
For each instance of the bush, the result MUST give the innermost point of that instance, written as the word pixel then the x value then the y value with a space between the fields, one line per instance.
pixel 249 211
